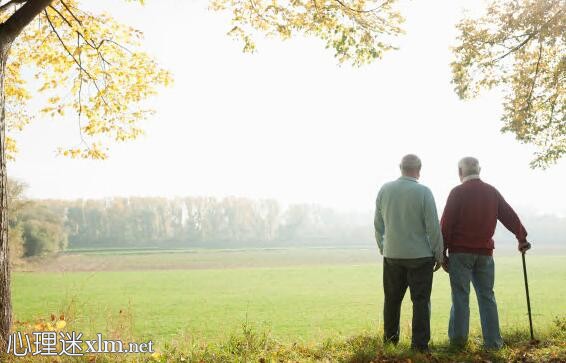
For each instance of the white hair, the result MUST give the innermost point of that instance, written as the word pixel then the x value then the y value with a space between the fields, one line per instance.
pixel 410 162
pixel 469 166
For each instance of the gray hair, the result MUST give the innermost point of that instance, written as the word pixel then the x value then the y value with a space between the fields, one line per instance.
pixel 469 166
pixel 410 162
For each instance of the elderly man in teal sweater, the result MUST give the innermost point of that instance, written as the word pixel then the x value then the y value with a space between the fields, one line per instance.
pixel 408 235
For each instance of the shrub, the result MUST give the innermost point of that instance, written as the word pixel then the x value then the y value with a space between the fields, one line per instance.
pixel 43 237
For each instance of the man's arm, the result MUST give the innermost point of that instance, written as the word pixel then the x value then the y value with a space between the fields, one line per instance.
pixel 507 216
pixel 378 222
pixel 432 227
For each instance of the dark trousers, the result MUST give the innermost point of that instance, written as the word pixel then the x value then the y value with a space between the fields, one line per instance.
pixel 416 273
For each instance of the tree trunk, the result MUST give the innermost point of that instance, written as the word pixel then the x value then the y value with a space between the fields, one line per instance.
pixel 9 30
pixel 5 294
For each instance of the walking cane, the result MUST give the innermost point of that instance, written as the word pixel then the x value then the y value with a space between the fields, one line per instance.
pixel 527 290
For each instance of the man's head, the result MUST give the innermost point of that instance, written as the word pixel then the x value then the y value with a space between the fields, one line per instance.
pixel 410 166
pixel 468 166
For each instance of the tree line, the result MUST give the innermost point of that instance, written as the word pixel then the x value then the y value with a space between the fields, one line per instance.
pixel 39 227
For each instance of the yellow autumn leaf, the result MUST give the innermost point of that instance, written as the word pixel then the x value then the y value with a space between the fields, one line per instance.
pixel 60 324
pixel 156 355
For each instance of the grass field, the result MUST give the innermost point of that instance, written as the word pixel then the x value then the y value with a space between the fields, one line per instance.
pixel 309 296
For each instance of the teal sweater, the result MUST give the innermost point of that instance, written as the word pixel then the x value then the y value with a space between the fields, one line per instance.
pixel 406 221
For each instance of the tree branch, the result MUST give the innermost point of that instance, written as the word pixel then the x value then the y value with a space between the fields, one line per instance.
pixel 72 14
pixel 70 25
pixel 344 5
pixel 79 64
pixel 533 84
pixel 7 5
pixel 528 39
pixel 12 27
pixel 80 93
pixel 515 48
pixel 90 43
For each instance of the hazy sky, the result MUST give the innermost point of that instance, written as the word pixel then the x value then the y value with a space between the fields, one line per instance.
pixel 289 123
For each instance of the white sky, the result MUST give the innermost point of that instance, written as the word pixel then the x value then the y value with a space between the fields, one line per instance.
pixel 288 123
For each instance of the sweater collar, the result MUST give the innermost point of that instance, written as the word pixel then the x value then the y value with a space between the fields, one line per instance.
pixel 470 177
pixel 409 178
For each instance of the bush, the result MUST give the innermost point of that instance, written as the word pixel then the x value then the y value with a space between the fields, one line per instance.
pixel 43 237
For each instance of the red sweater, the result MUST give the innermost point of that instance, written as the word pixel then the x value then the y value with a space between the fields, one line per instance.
pixel 470 217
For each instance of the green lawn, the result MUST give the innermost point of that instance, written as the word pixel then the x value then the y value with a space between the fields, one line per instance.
pixel 297 303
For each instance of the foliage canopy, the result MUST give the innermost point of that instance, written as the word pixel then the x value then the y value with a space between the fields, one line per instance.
pixel 519 46
pixel 86 63
pixel 358 31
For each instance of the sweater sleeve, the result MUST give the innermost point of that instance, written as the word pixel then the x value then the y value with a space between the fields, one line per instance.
pixel 507 216
pixel 447 220
pixel 378 223
pixel 433 227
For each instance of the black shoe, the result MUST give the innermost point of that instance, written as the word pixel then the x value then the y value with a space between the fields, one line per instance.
pixel 421 348
pixel 392 341
pixel 458 345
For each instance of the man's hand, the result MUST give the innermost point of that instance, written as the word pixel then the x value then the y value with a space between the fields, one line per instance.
pixel 437 266
pixel 524 246
pixel 445 264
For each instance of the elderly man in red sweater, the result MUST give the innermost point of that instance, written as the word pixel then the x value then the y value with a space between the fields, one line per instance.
pixel 468 223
